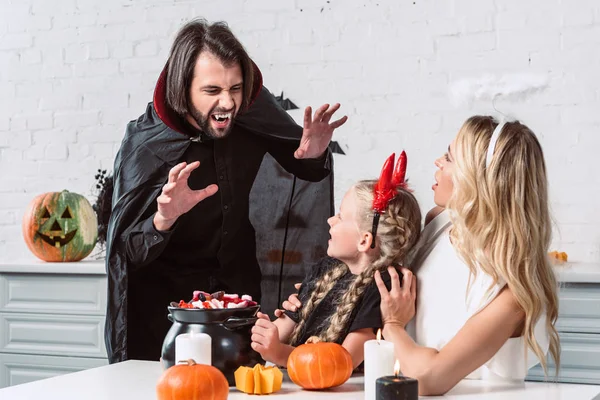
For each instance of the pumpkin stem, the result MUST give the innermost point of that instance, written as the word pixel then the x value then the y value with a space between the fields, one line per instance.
pixel 313 339
pixel 189 362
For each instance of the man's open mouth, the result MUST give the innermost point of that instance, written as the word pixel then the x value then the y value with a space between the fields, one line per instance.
pixel 221 118
pixel 59 240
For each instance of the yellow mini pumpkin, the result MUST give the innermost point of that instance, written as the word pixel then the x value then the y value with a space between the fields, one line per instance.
pixel 559 257
pixel 258 380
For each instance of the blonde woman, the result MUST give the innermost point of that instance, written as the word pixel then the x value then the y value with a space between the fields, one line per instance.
pixel 342 300
pixel 487 296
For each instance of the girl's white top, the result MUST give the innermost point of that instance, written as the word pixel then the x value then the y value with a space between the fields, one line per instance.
pixel 444 306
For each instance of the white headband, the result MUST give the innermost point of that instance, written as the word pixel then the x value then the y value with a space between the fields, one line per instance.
pixel 493 140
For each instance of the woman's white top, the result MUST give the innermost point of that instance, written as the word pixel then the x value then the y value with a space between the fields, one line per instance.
pixel 444 306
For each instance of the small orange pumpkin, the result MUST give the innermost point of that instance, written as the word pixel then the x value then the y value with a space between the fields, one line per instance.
pixel 558 257
pixel 258 380
pixel 191 381
pixel 319 365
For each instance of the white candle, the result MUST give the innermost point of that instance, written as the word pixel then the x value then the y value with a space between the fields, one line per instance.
pixel 379 361
pixel 196 346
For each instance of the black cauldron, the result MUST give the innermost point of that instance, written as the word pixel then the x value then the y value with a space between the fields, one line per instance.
pixel 229 329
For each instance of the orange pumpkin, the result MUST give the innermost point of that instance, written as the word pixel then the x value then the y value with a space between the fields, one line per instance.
pixel 191 381
pixel 558 257
pixel 319 365
pixel 258 380
pixel 60 226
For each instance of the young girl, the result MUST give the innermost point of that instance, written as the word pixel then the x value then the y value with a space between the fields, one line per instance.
pixel 487 296
pixel 379 221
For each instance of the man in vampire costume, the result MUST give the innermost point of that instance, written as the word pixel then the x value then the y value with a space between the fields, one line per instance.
pixel 181 215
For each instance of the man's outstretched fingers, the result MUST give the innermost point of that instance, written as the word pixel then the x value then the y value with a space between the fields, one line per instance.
pixel 168 187
pixel 185 173
pixel 319 113
pixel 329 113
pixel 174 172
pixel 339 122
pixel 208 191
pixel 307 115
pixel 163 199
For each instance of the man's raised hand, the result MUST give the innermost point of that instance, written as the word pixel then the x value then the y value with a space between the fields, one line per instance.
pixel 177 198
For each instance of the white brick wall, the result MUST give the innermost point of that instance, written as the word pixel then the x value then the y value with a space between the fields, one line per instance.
pixel 73 72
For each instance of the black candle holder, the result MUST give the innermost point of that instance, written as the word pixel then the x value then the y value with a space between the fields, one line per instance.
pixel 396 387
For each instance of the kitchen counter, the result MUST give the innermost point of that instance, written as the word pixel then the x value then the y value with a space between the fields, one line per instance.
pixel 35 266
pixel 136 380
pixel 578 272
pixel 566 273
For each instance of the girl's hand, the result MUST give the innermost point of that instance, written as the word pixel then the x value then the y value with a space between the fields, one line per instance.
pixel 398 305
pixel 265 338
pixel 292 304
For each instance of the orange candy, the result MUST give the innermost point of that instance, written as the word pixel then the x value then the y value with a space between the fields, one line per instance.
pixel 560 257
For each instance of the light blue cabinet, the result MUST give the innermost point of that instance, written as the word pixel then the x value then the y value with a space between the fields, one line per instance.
pixel 51 320
pixel 578 326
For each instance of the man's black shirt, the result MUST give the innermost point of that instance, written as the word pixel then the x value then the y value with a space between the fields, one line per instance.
pixel 212 247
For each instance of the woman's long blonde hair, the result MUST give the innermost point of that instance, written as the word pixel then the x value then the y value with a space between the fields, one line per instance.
pixel 501 219
pixel 399 229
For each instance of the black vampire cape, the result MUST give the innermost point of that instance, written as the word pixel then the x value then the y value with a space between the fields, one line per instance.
pixel 290 221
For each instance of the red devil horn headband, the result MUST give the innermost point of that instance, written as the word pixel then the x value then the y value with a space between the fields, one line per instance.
pixel 398 179
pixel 385 188
pixel 389 181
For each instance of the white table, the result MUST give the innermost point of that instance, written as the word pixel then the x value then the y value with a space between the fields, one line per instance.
pixel 136 380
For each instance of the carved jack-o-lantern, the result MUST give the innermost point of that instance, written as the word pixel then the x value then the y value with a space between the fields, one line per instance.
pixel 60 226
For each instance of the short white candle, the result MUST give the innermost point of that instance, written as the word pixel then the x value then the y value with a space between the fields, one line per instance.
pixel 195 346
pixel 379 361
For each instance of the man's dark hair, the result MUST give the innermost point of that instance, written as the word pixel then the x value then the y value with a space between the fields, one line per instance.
pixel 193 38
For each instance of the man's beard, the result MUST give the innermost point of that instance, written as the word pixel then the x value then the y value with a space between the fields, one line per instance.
pixel 203 122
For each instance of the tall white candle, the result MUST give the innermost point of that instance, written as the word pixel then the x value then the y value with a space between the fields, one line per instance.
pixel 379 361
pixel 196 346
